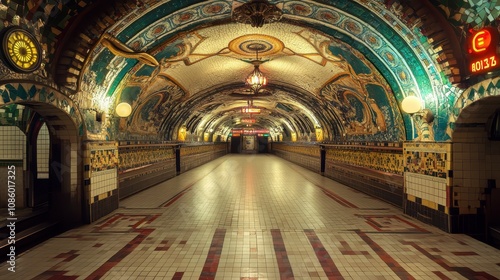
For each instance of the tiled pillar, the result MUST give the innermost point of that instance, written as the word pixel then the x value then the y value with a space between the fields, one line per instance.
pixel 100 178
pixel 427 182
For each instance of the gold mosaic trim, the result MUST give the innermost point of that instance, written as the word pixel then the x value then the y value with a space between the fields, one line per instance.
pixel 390 160
pixel 137 156
pixel 305 150
pixel 194 150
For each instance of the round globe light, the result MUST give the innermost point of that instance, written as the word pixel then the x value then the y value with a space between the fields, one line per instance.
pixel 411 104
pixel 123 109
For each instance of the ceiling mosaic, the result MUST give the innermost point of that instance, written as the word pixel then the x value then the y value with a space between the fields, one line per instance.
pixel 343 66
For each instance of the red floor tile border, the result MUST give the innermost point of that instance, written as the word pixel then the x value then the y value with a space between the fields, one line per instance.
pixel 178 276
pixel 465 253
pixel 441 275
pixel 284 266
pixel 67 257
pixel 212 262
pixel 128 248
pixel 347 250
pixel 340 200
pixel 466 272
pixel 329 267
pixel 370 219
pixel 390 261
pixel 54 275
pixel 176 197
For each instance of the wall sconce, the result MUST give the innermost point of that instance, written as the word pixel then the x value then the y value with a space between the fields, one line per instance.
pixel 423 118
pixel 123 110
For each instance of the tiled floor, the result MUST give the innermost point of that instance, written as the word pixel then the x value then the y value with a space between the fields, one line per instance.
pixel 256 217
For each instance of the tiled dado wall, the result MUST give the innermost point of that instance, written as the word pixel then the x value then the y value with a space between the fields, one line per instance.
pixel 385 157
pixel 307 156
pixel 427 182
pixel 100 178
pixel 143 164
pixel 193 156
pixel 12 153
pixel 373 168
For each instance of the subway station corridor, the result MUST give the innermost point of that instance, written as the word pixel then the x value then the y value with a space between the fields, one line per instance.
pixel 256 217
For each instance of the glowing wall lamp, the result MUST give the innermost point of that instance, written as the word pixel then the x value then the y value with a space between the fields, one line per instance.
pixel 423 117
pixel 123 110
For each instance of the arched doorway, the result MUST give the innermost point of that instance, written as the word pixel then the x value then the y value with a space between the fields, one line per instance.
pixel 48 172
pixel 475 195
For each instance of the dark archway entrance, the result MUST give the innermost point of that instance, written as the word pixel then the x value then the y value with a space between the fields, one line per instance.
pixel 475 197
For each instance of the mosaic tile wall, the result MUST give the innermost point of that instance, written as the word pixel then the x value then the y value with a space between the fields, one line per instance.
pixel 431 159
pixel 308 156
pixel 199 149
pixel 100 164
pixel 138 155
pixel 427 182
pixel 377 157
pixel 308 150
pixel 12 152
pixel 12 143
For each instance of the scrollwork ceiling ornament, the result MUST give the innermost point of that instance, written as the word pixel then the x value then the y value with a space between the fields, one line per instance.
pixel 120 49
pixel 256 13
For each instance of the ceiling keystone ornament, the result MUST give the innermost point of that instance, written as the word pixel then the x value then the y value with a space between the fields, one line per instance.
pixel 256 13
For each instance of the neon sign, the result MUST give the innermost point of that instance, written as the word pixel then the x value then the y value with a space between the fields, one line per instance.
pixel 248 120
pixel 482 45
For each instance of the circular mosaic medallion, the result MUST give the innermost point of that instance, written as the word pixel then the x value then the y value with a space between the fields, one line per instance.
pixel 353 27
pixel 22 51
pixel 372 40
pixel 328 16
pixel 250 44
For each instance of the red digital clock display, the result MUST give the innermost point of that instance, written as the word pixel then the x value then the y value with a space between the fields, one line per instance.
pixel 482 48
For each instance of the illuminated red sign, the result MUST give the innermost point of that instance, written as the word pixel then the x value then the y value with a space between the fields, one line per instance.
pixel 482 48
pixel 251 131
pixel 480 41
pixel 248 120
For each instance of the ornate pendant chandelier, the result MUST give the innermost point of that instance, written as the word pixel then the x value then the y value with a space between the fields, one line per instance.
pixel 256 80
pixel 256 13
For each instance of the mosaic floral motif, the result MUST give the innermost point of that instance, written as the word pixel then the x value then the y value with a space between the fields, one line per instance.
pixel 370 157
pixel 304 150
pixel 101 160
pixel 359 97
pixel 194 150
pixel 138 156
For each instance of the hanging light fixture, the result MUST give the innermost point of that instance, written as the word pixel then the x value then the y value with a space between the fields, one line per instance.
pixel 256 13
pixel 256 80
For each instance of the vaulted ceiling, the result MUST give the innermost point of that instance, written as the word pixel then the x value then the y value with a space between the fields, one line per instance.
pixel 342 66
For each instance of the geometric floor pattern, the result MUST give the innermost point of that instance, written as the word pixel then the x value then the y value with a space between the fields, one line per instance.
pixel 256 217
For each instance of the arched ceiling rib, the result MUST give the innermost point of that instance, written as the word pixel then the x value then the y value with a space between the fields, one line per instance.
pixel 343 66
